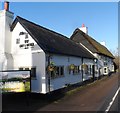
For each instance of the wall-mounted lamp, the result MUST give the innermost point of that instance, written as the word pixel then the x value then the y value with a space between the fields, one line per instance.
pixel 95 60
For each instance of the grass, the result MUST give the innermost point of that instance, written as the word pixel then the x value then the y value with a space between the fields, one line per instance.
pixel 71 92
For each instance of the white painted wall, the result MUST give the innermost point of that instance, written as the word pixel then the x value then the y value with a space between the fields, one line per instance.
pixel 101 64
pixel 29 58
pixel 99 68
pixel 37 58
pixel 84 29
pixel 6 19
pixel 65 61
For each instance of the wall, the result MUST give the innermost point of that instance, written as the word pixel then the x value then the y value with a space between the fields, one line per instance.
pixel 28 58
pixel 6 19
pixel 65 61
pixel 103 62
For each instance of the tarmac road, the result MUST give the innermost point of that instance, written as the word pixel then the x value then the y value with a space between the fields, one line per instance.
pixel 115 106
pixel 95 97
pixel 112 101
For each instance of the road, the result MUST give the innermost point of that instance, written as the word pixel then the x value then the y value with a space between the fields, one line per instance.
pixel 94 97
pixel 115 103
pixel 112 102
pixel 115 106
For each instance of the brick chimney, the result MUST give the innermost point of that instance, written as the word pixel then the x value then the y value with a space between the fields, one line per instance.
pixel 6 5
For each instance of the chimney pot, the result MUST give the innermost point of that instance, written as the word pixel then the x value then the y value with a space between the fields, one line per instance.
pixel 6 5
pixel 83 25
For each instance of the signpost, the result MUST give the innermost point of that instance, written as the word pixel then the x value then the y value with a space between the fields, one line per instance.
pixel 15 81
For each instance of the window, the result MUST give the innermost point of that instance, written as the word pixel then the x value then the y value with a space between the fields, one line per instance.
pixel 33 72
pixel 105 58
pixel 20 68
pixel 61 71
pixel 18 41
pixel 105 63
pixel 58 72
pixel 90 69
pixel 76 70
pixel 26 68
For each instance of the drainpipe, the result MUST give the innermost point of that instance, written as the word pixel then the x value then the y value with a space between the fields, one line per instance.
pixel 49 74
pixel 82 69
pixel 93 68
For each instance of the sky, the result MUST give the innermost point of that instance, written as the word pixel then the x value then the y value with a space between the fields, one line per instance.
pixel 101 18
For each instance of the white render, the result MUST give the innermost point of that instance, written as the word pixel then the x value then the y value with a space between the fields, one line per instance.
pixel 27 58
pixel 6 19
pixel 37 58
pixel 101 63
pixel 84 29
pixel 13 58
pixel 60 60
pixel 104 63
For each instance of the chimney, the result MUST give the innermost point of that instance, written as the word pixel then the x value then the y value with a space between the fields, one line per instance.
pixel 83 25
pixel 6 5
pixel 103 43
pixel 84 29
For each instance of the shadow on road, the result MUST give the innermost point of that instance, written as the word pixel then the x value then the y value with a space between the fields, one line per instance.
pixel 28 101
pixel 31 102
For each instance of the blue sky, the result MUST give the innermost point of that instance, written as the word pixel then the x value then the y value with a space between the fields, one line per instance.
pixel 101 18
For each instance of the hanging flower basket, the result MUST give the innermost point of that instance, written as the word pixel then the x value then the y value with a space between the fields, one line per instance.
pixel 85 66
pixel 51 67
pixel 72 67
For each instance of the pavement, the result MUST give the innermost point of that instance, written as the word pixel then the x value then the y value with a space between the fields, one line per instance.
pixel 92 97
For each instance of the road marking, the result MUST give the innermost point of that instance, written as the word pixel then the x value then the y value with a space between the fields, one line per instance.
pixel 113 99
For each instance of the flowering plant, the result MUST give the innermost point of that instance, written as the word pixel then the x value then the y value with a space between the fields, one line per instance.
pixel 51 67
pixel 72 67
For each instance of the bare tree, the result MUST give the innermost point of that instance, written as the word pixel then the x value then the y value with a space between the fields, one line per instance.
pixel 117 59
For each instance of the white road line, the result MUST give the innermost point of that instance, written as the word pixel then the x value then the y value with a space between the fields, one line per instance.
pixel 113 99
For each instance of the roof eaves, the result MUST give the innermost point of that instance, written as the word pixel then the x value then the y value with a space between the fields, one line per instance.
pixel 86 37
pixel 19 19
pixel 98 51
pixel 13 24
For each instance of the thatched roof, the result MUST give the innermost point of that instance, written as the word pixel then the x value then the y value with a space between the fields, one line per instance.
pixel 52 42
pixel 80 37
